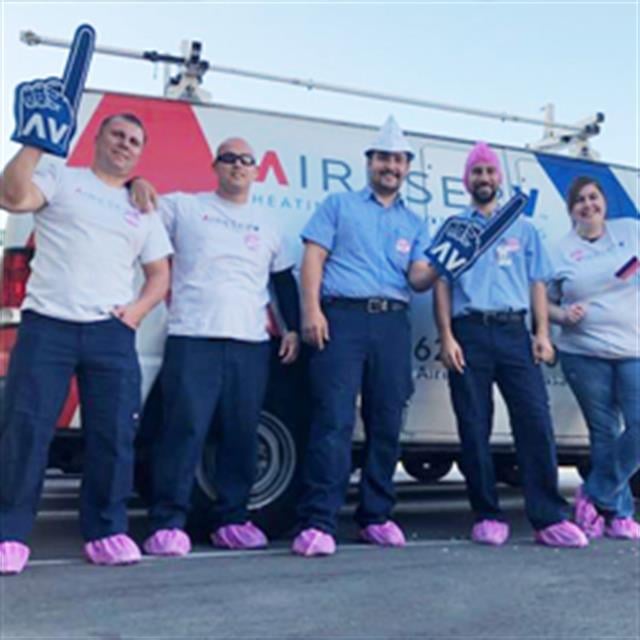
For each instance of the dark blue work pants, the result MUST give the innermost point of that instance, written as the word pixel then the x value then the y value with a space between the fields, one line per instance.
pixel 501 353
pixel 203 378
pixel 369 353
pixel 46 355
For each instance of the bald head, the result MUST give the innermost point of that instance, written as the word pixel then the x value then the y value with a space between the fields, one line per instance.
pixel 235 166
pixel 235 145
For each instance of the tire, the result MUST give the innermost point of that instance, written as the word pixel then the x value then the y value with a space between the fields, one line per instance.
pixel 67 451
pixel 635 484
pixel 426 469
pixel 508 474
pixel 275 490
pixel 281 444
pixel 584 467
pixel 357 458
pixel 150 423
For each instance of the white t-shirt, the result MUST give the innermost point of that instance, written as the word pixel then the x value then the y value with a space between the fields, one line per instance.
pixel 224 253
pixel 585 272
pixel 88 240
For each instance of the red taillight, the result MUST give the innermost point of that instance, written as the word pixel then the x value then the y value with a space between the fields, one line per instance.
pixel 15 273
pixel 8 337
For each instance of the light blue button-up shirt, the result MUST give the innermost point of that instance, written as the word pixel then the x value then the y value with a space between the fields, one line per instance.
pixel 370 247
pixel 500 280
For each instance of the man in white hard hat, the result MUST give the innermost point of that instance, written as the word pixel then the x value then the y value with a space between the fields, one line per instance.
pixel 362 249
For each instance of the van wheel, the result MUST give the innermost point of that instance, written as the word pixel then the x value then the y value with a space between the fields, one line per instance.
pixel 281 441
pixel 635 484
pixel 274 493
pixel 426 469
pixel 508 474
pixel 584 467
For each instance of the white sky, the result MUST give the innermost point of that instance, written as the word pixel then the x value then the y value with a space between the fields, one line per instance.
pixel 501 56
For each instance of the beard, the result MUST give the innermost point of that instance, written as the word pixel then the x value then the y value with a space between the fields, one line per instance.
pixel 483 194
pixel 385 189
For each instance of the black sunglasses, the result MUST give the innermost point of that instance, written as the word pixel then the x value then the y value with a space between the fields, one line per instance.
pixel 246 159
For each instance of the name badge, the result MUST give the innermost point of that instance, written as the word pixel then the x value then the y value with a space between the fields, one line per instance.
pixel 403 246
pixel 252 241
pixel 505 249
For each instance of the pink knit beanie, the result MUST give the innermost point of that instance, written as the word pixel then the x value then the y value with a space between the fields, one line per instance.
pixel 481 154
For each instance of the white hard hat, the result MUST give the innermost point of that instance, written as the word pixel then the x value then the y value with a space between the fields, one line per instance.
pixel 391 139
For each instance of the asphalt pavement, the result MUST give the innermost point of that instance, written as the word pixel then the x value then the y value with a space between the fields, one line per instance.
pixel 441 586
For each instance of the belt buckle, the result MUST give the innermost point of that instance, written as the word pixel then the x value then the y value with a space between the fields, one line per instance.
pixel 377 305
pixel 504 317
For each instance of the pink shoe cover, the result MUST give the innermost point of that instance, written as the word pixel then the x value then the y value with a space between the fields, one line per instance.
pixel 623 529
pixel 587 516
pixel 388 534
pixel 13 557
pixel 562 534
pixel 313 542
pixel 493 532
pixel 168 542
pixel 239 536
pixel 113 550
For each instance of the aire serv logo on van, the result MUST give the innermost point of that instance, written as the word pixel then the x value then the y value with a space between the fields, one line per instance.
pixel 294 174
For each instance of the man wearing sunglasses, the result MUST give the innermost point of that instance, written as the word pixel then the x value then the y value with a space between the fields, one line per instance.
pixel 216 360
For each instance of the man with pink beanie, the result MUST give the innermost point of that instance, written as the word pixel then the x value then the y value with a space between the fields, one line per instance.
pixel 481 319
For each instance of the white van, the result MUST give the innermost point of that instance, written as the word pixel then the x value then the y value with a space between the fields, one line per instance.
pixel 301 160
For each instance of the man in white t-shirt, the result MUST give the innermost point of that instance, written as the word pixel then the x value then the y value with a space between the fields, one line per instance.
pixel 79 317
pixel 227 253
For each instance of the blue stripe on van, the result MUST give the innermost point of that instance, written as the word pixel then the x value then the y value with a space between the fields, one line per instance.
pixel 562 171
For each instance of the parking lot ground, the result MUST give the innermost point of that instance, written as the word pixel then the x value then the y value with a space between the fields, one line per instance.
pixel 440 586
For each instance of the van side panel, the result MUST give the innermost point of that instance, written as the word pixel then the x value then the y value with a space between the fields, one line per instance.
pixel 301 161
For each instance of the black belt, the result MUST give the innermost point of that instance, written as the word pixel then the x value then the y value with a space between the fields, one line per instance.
pixel 370 305
pixel 494 317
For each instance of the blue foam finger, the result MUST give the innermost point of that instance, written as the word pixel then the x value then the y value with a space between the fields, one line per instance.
pixel 77 67
pixel 503 219
pixel 45 109
pixel 27 95
pixel 52 91
pixel 454 247
pixel 461 241
pixel 44 117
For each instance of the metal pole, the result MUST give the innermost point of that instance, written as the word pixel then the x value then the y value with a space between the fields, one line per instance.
pixel 376 95
pixel 30 38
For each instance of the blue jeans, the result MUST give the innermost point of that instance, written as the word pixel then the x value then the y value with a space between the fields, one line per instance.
pixel 369 353
pixel 608 392
pixel 501 353
pixel 203 378
pixel 47 354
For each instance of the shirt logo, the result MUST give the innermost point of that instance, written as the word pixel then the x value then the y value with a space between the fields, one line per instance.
pixel 132 217
pixel 403 245
pixel 504 250
pixel 233 225
pixel 252 241
pixel 577 255
pixel 114 205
